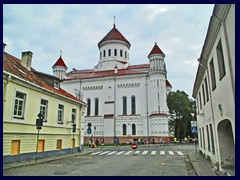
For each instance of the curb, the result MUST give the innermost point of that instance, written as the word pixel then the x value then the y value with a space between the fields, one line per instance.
pixel 43 160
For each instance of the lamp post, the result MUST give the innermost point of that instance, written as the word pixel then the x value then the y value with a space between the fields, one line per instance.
pixel 73 129
pixel 114 121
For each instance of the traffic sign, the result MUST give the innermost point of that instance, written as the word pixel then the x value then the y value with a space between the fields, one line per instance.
pixel 134 146
pixel 194 129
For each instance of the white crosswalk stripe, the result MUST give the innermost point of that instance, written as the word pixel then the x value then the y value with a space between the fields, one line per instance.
pixel 145 152
pixel 96 153
pixel 104 152
pixel 171 152
pixel 120 152
pixel 127 153
pixel 153 152
pixel 111 153
pixel 162 152
pixel 180 153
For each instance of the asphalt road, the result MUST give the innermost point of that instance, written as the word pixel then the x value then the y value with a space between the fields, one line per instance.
pixel 103 163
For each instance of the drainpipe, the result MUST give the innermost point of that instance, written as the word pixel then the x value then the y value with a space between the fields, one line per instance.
pixel 6 89
pixel 147 107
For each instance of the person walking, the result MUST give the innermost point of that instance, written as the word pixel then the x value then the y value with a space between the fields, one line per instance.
pixel 175 140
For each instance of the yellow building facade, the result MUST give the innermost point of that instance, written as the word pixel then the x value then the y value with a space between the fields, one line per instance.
pixel 26 93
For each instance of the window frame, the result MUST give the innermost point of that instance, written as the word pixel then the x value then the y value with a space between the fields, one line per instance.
pixel 124 127
pixel 21 116
pixel 124 105
pixel 45 113
pixel 220 59
pixel 133 104
pixel 60 114
pixel 74 114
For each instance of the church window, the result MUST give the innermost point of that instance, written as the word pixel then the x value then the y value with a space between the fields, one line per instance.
pixel 96 107
pixel 124 105
pixel 109 52
pixel 104 53
pixel 88 107
pixel 133 99
pixel 100 55
pixel 133 129
pixel 124 129
pixel 115 52
pixel 121 53
pixel 125 54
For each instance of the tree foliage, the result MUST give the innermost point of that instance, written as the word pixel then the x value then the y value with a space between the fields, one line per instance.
pixel 180 106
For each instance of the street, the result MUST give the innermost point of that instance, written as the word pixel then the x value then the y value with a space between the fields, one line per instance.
pixel 157 160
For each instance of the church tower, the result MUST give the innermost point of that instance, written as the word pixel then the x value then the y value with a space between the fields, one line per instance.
pixel 114 51
pixel 158 74
pixel 59 68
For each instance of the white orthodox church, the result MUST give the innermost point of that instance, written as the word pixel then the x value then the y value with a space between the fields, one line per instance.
pixel 124 101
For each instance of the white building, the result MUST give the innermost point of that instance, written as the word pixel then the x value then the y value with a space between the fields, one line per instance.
pixel 214 89
pixel 124 101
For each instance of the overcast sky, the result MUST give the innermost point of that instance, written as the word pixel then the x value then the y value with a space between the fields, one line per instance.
pixel 179 31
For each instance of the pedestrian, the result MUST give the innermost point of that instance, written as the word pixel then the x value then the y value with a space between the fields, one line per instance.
pixel 89 142
pixel 139 141
pixel 102 142
pixel 97 142
pixel 161 140
pixel 153 140
pixel 175 140
pixel 185 139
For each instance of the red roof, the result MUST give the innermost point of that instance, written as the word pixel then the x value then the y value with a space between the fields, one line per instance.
pixel 60 62
pixel 168 83
pixel 13 65
pixel 114 34
pixel 156 50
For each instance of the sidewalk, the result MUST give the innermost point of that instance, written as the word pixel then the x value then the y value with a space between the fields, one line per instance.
pixel 204 167
pixel 42 160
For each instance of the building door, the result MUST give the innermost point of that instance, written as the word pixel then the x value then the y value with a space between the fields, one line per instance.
pixel 73 144
pixel 15 148
pixel 41 145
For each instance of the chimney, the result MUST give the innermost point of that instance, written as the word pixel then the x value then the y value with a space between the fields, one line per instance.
pixel 4 45
pixel 27 59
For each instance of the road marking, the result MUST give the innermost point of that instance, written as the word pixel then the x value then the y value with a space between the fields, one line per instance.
pixel 162 152
pixel 120 152
pixel 136 152
pixel 180 153
pixel 111 152
pixel 104 152
pixel 145 152
pixel 171 152
pixel 96 153
pixel 127 153
pixel 153 152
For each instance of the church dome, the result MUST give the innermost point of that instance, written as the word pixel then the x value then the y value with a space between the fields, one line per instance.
pixel 156 50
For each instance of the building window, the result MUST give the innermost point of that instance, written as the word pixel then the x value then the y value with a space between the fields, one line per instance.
pixel 44 109
pixel 115 52
pixel 100 55
pixel 15 147
pixel 212 139
pixel 200 140
pixel 200 100
pixel 109 52
pixel 19 105
pixel 208 139
pixel 133 129
pixel 121 53
pixel 203 92
pixel 104 53
pixel 206 87
pixel 203 138
pixel 126 54
pixel 60 113
pixel 88 107
pixel 74 114
pixel 133 105
pixel 124 129
pixel 124 105
pixel 59 144
pixel 220 57
pixel 212 71
pixel 56 84
pixel 96 107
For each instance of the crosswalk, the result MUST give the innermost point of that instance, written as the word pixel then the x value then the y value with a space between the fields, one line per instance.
pixel 117 153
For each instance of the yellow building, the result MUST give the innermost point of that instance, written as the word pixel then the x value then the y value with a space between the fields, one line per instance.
pixel 26 93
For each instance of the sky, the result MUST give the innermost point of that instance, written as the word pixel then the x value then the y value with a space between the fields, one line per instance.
pixel 76 29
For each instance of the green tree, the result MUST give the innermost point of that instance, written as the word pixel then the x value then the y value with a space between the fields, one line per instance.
pixel 180 107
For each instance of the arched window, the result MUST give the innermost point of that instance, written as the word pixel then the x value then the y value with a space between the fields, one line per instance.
pixel 104 53
pixel 126 54
pixel 121 53
pixel 133 100
pixel 115 52
pixel 124 129
pixel 124 105
pixel 109 52
pixel 100 55
pixel 96 107
pixel 133 129
pixel 88 107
